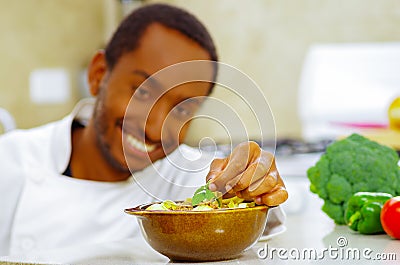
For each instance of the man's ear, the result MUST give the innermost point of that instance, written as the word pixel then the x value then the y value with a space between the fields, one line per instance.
pixel 96 71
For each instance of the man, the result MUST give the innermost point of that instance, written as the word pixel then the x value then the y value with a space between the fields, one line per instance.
pixel 67 182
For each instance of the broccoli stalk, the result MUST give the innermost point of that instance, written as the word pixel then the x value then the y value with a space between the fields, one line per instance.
pixel 351 165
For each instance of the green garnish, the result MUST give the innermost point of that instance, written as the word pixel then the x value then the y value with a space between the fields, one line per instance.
pixel 203 194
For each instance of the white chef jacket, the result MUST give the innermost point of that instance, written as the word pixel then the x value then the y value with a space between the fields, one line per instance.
pixel 41 209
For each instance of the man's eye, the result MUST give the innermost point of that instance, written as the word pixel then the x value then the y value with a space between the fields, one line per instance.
pixel 141 93
pixel 183 111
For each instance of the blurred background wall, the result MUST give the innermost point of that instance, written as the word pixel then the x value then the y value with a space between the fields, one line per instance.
pixel 266 39
pixel 39 34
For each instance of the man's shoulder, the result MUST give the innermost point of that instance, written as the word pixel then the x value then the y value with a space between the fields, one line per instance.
pixel 23 134
pixel 61 127
pixel 37 137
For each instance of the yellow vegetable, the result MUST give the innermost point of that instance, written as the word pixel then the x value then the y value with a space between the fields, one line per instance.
pixel 394 114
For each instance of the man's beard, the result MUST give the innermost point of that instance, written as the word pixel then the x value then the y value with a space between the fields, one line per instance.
pixel 101 129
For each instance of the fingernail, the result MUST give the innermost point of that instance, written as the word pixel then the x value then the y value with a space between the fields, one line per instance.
pixel 228 188
pixel 212 187
pixel 258 200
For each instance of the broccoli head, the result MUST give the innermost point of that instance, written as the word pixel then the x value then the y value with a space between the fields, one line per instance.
pixel 350 165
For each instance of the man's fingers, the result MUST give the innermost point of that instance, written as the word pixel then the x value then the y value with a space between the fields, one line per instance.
pixel 264 185
pixel 256 177
pixel 252 174
pixel 216 167
pixel 232 170
pixel 241 156
pixel 269 180
pixel 244 194
pixel 274 198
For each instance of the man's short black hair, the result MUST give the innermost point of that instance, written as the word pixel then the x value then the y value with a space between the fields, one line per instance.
pixel 131 29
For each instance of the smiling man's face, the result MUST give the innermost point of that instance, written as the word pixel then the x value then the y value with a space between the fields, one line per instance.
pixel 157 111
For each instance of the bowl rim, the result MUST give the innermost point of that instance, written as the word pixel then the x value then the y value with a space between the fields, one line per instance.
pixel 141 209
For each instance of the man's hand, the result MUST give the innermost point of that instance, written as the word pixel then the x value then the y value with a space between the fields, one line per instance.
pixel 250 173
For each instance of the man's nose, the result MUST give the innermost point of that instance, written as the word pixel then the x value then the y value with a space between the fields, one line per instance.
pixel 155 122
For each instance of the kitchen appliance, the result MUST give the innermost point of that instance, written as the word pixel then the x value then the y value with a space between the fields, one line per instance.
pixel 347 88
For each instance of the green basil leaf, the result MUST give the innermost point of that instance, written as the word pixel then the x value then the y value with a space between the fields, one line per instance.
pixel 202 194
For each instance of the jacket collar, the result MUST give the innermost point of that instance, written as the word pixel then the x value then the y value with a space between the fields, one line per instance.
pixel 61 144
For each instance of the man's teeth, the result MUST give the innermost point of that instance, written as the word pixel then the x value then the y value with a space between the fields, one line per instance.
pixel 141 146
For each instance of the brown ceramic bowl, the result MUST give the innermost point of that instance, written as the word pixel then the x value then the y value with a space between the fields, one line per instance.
pixel 201 235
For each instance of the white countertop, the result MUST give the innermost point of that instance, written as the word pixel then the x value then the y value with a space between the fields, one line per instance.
pixel 308 230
